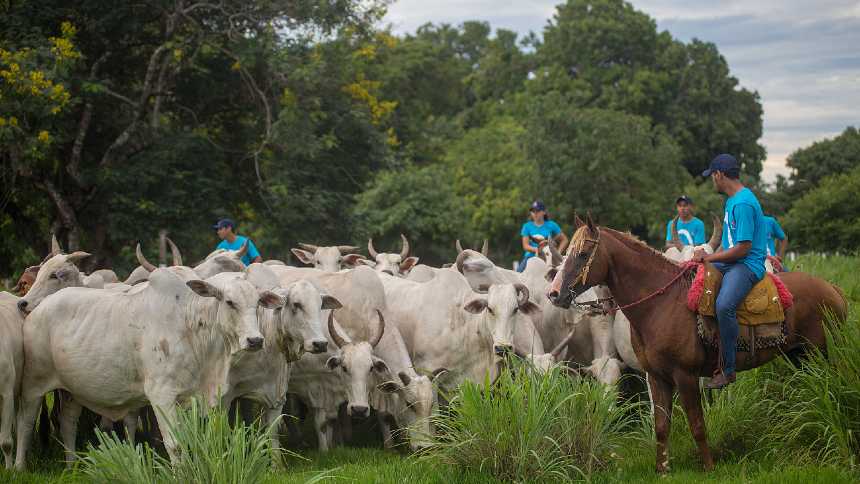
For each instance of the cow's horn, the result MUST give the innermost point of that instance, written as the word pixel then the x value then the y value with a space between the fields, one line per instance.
pixel 379 331
pixel 404 251
pixel 338 339
pixel 458 246
pixel 308 247
pixel 459 262
pixel 560 347
pixel 717 236
pixel 676 240
pixel 522 294
pixel 485 249
pixel 177 256
pixel 244 249
pixel 142 260
pixel 370 249
pixel 347 249
pixel 55 246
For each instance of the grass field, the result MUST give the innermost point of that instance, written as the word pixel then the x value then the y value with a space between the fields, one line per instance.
pixel 776 425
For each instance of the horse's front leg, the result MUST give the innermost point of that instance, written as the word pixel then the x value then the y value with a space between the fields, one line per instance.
pixel 661 393
pixel 691 400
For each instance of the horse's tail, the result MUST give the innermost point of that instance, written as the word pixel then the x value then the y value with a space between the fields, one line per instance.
pixel 844 308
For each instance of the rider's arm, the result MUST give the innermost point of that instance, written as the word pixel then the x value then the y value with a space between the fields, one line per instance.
pixel 561 241
pixel 527 247
pixel 737 252
pixel 783 247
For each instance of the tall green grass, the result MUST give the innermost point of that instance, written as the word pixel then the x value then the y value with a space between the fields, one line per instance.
pixel 210 449
pixel 531 426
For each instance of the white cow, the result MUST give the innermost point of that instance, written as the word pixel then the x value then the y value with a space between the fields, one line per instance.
pixel 290 330
pixel 446 325
pixel 159 343
pixel 141 273
pixel 56 273
pixel 683 253
pixel 11 367
pixel 394 264
pixel 342 374
pixel 328 259
pixel 362 295
pixel 220 260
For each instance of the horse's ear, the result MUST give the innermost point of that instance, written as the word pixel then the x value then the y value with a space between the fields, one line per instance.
pixel 590 222
pixel 577 221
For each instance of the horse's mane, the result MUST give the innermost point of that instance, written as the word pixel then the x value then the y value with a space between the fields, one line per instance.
pixel 645 251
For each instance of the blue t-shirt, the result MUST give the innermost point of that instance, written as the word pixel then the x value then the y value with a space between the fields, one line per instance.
pixel 744 222
pixel 690 233
pixel 774 233
pixel 547 230
pixel 249 256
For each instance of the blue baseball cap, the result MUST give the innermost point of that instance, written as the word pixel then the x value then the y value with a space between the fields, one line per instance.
pixel 224 222
pixel 725 163
pixel 537 206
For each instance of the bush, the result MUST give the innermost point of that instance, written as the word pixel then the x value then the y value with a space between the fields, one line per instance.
pixel 529 426
pixel 817 413
pixel 211 451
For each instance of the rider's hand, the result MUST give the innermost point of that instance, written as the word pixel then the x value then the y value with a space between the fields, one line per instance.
pixel 699 256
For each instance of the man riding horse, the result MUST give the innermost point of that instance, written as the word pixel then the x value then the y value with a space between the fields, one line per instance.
pixel 741 258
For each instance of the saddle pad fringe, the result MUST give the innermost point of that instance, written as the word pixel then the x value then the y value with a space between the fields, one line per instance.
pixel 765 335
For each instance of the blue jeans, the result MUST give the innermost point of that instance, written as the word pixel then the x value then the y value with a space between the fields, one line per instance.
pixel 738 280
pixel 522 266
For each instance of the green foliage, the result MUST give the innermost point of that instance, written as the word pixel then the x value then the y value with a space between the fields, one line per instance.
pixel 825 218
pixel 211 451
pixel 529 426
pixel 823 159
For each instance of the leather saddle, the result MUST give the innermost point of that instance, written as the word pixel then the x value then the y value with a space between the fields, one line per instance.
pixel 761 306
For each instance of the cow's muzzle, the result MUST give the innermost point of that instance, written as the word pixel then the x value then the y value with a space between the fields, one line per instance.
pixel 359 411
pixel 22 306
pixel 560 300
pixel 255 343
pixel 503 349
pixel 319 347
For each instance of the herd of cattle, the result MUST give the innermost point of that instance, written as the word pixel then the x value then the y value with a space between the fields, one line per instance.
pixel 382 333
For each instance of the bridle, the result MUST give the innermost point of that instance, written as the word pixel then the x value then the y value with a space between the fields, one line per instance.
pixel 598 303
pixel 583 273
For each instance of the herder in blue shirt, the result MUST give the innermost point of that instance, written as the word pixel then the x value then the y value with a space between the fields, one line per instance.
pixel 691 230
pixel 538 230
pixel 226 229
pixel 774 233
pixel 740 259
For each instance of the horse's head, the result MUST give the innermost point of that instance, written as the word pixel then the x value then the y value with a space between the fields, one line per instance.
pixel 585 266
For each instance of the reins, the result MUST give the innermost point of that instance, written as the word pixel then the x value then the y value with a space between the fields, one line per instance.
pixel 684 269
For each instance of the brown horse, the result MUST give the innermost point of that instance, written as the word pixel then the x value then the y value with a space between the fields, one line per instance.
pixel 663 330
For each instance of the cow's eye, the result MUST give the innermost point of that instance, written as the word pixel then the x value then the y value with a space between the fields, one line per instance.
pixel 231 304
pixel 54 276
pixel 490 310
pixel 297 307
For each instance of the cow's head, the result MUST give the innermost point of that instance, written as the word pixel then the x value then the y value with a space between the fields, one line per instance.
pixel 606 370
pixel 415 399
pixel 397 265
pixel 234 311
pixel 222 260
pixel 56 273
pixel 301 315
pixel 26 281
pixel 328 259
pixel 499 311
pixel 478 270
pixel 355 365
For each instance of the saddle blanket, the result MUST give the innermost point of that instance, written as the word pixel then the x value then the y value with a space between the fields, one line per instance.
pixel 765 304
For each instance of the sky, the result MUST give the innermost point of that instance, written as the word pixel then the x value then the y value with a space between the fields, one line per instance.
pixel 803 57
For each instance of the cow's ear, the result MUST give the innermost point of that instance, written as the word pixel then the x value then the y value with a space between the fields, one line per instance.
pixel 270 300
pixel 367 262
pixel 204 289
pixel 404 378
pixel 330 302
pixel 530 309
pixel 476 306
pixel 333 362
pixel 408 264
pixel 77 256
pixel 380 366
pixel 303 255
pixel 352 260
pixel 550 274
pixel 390 386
